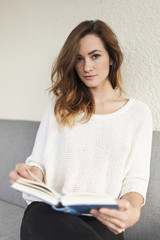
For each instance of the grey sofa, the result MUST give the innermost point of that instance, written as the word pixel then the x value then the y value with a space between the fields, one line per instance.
pixel 16 142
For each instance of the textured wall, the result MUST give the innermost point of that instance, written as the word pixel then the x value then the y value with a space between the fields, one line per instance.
pixel 33 31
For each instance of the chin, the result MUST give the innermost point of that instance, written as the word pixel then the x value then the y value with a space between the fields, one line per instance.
pixel 90 84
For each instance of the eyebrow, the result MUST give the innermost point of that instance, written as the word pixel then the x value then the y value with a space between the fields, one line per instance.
pixel 91 52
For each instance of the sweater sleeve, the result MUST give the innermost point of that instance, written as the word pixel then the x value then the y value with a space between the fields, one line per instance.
pixel 137 169
pixel 36 158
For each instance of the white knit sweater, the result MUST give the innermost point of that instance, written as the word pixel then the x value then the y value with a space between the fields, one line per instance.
pixel 108 154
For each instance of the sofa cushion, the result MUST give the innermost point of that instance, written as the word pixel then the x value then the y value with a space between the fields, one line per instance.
pixel 16 143
pixel 149 224
pixel 10 221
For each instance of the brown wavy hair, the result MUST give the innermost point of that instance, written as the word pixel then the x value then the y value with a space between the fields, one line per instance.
pixel 72 95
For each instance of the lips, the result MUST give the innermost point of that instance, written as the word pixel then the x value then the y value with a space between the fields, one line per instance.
pixel 89 76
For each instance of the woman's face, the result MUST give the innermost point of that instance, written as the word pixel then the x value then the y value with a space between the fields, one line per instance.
pixel 93 62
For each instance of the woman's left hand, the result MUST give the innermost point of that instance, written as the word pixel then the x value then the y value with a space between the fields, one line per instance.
pixel 118 220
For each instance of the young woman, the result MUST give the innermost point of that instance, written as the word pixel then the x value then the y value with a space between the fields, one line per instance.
pixel 91 139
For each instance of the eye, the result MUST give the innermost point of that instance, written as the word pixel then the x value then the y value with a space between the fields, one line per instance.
pixel 95 56
pixel 79 58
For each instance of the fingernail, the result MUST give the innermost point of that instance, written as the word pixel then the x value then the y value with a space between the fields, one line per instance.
pixel 93 211
pixel 102 210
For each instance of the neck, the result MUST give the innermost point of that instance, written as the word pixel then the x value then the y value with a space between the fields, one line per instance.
pixel 104 93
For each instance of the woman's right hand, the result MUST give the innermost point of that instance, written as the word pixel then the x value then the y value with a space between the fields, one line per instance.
pixel 21 171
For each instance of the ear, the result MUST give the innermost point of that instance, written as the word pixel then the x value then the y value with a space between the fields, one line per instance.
pixel 110 62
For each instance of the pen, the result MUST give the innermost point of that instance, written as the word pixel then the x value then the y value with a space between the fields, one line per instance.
pixel 33 176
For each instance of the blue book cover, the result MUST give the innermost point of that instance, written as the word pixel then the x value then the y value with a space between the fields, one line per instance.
pixel 80 209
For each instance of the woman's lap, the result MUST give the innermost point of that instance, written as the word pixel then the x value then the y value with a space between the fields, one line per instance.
pixel 41 222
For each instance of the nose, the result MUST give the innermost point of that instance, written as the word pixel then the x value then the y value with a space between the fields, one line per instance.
pixel 88 66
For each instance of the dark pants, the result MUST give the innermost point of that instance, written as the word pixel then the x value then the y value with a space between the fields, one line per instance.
pixel 41 222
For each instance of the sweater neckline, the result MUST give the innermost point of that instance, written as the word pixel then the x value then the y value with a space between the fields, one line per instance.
pixel 116 113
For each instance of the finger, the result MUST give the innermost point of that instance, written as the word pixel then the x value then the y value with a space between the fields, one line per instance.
pixel 114 228
pixel 13 176
pixel 106 212
pixel 94 212
pixel 119 223
pixel 113 213
pixel 115 217
pixel 123 204
pixel 114 231
pixel 21 170
pixel 38 172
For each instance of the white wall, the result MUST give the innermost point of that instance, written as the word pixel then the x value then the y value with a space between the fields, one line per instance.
pixel 33 31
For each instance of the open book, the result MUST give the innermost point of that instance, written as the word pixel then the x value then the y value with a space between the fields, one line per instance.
pixel 75 203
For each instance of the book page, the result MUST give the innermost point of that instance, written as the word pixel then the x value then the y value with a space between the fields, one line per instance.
pixel 38 185
pixel 45 196
pixel 87 198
